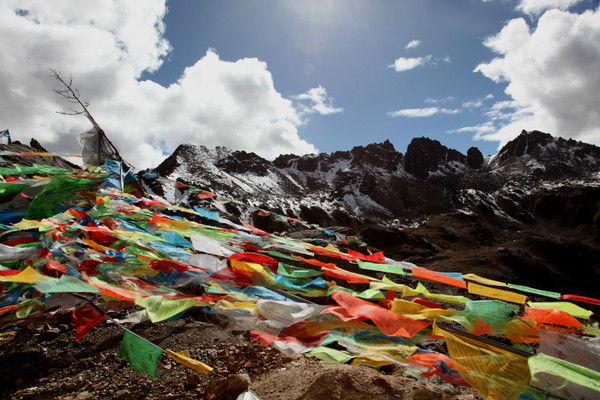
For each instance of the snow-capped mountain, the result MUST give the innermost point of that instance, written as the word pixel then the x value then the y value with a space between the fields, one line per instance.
pixel 378 184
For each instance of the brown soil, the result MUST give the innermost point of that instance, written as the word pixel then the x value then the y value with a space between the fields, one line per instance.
pixel 47 363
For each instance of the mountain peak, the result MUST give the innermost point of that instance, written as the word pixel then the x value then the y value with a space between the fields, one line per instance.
pixel 544 154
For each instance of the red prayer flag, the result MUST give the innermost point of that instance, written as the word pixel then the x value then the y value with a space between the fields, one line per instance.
pixel 85 318
pixel 376 257
pixel 389 323
pixel 254 230
pixel 205 195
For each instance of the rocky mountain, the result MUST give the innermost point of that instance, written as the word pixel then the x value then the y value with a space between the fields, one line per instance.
pixel 377 184
pixel 533 208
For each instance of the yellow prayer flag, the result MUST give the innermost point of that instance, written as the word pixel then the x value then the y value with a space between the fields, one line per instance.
pixel 236 305
pixel 497 374
pixel 445 298
pixel 28 275
pixel 332 248
pixel 417 311
pixel 496 293
pixel 372 361
pixel 28 224
pixel 484 281
pixel 184 358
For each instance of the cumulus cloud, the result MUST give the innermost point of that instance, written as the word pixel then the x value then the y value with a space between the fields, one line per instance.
pixel 106 45
pixel 552 73
pixel 413 44
pixel 421 112
pixel 408 63
pixel 319 102
pixel 536 7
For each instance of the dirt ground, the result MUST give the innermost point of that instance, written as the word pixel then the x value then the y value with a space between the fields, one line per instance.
pixel 47 363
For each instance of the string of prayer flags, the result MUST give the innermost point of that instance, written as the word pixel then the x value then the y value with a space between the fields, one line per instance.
pixel 140 354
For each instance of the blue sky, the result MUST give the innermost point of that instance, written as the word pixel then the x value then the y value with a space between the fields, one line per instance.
pixel 276 77
pixel 347 47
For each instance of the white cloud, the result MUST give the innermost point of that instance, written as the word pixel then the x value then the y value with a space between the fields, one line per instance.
pixel 478 130
pixel 472 104
pixel 321 103
pixel 477 103
pixel 106 45
pixel 442 100
pixel 536 7
pixel 408 63
pixel 413 44
pixel 421 112
pixel 552 74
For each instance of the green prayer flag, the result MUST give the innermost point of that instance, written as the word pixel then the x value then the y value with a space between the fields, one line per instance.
pixel 10 188
pixel 34 169
pixel 540 292
pixel 60 188
pixel 292 272
pixel 160 308
pixel 494 312
pixel 445 298
pixel 330 355
pixel 140 354
pixel 215 234
pixel 562 378
pixel 65 284
pixel 365 294
pixel 278 255
pixel 387 268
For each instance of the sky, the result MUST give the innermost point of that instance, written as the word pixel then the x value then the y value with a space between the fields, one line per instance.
pixel 306 76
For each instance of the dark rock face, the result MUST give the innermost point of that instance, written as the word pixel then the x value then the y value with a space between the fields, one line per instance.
pixel 241 162
pixel 424 155
pixel 474 158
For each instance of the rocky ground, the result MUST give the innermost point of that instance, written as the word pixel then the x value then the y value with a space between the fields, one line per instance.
pixel 47 363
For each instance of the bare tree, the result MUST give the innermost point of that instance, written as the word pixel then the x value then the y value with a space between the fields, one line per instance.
pixel 105 148
pixel 72 96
